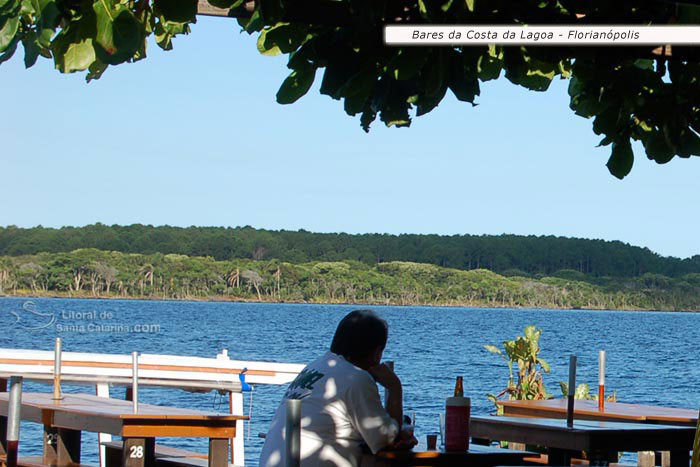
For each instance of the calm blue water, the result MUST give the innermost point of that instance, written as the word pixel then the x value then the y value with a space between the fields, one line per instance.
pixel 651 357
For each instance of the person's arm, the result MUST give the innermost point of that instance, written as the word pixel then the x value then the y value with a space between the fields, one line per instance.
pixel 385 376
pixel 394 401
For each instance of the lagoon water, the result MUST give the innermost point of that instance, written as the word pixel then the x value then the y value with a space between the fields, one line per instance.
pixel 651 357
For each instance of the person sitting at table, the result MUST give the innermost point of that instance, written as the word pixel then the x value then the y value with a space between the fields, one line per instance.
pixel 340 404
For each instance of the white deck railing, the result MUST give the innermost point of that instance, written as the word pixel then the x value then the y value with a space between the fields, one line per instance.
pixel 183 372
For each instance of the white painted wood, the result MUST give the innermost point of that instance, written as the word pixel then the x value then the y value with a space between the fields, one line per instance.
pixel 220 369
pixel 236 408
pixel 103 391
pixel 183 372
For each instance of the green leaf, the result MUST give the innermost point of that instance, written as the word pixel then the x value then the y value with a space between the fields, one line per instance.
pixel 461 80
pixel 657 148
pixel 50 15
pixel 268 50
pixel 407 62
pixel 177 11
pixel 582 392
pixel 119 33
pixel 255 23
pixel 226 4
pixel 271 10
pixel 689 144
pixel 446 6
pixel 493 349
pixel 78 56
pixel 489 67
pixel 31 51
pixel 8 32
pixel 606 122
pixel 296 85
pixel 470 5
pixel 286 38
pixel 621 159
pixel 564 388
pixel 435 79
pixel 9 52
pixel 95 70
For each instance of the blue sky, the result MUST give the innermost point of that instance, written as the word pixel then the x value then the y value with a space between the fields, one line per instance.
pixel 194 137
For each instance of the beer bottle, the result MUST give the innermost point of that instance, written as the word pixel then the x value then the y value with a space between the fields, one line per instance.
pixel 459 387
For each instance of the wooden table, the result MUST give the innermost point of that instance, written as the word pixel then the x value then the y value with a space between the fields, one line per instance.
pixel 599 439
pixel 477 456
pixel 613 411
pixel 65 419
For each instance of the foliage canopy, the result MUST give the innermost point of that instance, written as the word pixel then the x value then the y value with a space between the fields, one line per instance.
pixel 628 94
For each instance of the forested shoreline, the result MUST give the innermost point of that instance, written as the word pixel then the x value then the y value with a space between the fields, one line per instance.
pixel 92 273
pixel 508 255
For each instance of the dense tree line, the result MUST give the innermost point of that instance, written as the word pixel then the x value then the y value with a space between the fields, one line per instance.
pixel 111 274
pixel 505 254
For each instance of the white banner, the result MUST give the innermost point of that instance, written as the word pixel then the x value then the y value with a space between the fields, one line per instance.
pixel 541 35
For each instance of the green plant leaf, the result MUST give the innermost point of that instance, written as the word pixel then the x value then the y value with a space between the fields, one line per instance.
pixel 9 52
pixel 407 62
pixel 689 144
pixel 621 159
pixel 31 51
pixel 226 4
pixel 284 37
pixel 296 85
pixel 489 67
pixel 493 349
pixel 8 32
pixel 582 392
pixel 470 5
pixel 564 388
pixel 177 11
pixel 78 56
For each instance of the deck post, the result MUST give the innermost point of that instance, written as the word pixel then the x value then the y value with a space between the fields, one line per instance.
pixel 102 390
pixel 138 452
pixel 292 433
pixel 13 418
pixel 235 402
pixel 135 380
pixel 57 370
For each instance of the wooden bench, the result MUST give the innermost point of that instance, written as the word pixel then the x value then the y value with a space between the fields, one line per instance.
pixel 166 456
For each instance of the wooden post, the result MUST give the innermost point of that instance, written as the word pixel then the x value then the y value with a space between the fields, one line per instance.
pixel 218 452
pixel 138 452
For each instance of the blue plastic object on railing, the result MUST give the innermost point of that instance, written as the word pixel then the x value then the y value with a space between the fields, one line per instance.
pixel 245 387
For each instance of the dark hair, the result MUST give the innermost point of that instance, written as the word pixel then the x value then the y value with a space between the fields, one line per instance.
pixel 359 334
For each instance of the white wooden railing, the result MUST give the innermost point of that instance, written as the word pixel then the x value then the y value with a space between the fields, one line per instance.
pixel 183 372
